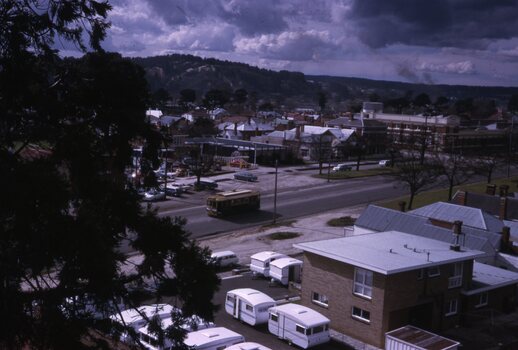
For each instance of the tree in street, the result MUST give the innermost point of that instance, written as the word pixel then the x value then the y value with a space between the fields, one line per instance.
pixel 187 97
pixel 215 98
pixel 66 133
pixel 414 175
pixel 455 168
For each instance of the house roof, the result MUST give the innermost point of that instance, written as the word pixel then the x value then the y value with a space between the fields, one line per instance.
pixel 487 277
pixel 388 252
pixel 304 315
pixel 473 217
pixel 253 296
pixel 490 203
pixel 382 219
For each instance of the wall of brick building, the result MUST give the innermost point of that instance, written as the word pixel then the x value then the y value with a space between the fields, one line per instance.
pixel 392 297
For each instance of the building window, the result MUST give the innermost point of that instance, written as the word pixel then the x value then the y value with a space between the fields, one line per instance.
pixel 363 282
pixel 361 314
pixel 482 299
pixel 434 271
pixel 249 308
pixel 456 276
pixel 300 329
pixel 320 299
pixel 451 307
pixel 274 317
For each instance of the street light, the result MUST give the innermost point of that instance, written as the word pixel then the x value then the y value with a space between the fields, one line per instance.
pixel 275 193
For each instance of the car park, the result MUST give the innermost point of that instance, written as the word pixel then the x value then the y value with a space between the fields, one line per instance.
pixel 245 176
pixel 342 167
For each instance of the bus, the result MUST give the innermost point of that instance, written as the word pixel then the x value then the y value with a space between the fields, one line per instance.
pixel 226 203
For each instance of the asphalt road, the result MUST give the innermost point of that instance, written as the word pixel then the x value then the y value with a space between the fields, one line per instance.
pixel 292 203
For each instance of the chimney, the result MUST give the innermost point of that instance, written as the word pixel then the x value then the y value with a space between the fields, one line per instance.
pixel 457 231
pixel 504 190
pixel 490 190
pixel 235 128
pixel 461 198
pixel 402 205
pixel 502 210
pixel 297 132
pixel 506 233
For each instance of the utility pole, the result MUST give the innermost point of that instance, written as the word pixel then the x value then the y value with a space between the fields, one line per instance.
pixel 510 148
pixel 275 193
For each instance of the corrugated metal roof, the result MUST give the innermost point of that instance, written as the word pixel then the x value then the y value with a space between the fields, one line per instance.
pixel 473 217
pixel 382 219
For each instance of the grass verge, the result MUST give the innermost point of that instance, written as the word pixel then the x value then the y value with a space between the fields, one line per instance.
pixel 277 236
pixel 341 221
pixel 353 173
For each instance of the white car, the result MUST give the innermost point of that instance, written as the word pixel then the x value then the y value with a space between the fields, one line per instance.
pixel 153 195
pixel 342 167
pixel 385 162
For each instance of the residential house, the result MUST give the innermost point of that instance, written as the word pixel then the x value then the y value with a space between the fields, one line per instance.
pixel 313 143
pixel 371 131
pixel 244 130
pixel 370 284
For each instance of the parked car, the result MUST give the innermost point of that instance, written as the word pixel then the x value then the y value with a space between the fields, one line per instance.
pixel 385 162
pixel 224 258
pixel 245 175
pixel 153 195
pixel 173 190
pixel 208 184
pixel 342 167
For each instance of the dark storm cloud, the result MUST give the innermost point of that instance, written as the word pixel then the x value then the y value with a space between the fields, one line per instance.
pixel 250 17
pixel 458 23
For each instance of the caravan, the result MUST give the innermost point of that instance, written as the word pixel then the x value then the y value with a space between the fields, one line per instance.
pixel 213 339
pixel 260 262
pixel 248 346
pixel 299 325
pixel 248 305
pixel 138 318
pixel 150 341
pixel 285 270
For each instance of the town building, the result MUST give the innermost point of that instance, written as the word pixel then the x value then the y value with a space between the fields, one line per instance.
pixel 373 283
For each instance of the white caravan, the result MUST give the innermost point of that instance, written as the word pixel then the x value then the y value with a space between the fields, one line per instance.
pixel 260 262
pixel 213 339
pixel 136 318
pixel 248 305
pixel 285 270
pixel 248 346
pixel 299 325
pixel 150 341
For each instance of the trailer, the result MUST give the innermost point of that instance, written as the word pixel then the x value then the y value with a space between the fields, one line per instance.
pixel 150 340
pixel 137 318
pixel 248 305
pixel 213 339
pixel 260 262
pixel 299 325
pixel 285 270
pixel 248 346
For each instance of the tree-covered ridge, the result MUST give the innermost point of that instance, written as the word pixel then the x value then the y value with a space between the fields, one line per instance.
pixel 176 72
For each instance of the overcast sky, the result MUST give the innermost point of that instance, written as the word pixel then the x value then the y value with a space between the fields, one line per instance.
pixel 469 42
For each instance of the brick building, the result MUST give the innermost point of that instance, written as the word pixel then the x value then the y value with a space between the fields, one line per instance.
pixel 370 284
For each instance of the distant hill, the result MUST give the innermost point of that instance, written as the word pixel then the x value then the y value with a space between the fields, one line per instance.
pixel 176 72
